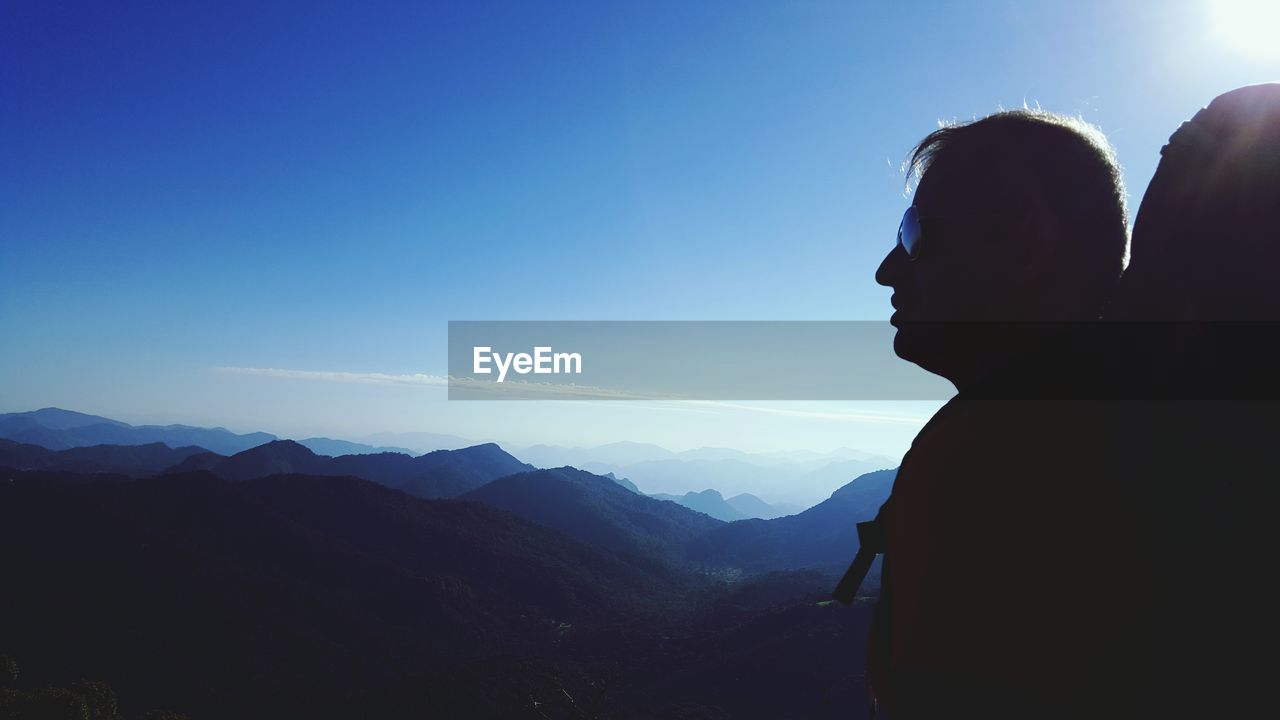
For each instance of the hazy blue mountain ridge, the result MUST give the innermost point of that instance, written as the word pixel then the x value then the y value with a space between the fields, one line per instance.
pixel 443 473
pixel 59 429
pixel 822 538
pixel 132 460
pixel 598 511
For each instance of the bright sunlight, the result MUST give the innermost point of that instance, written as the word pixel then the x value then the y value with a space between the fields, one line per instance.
pixel 1247 26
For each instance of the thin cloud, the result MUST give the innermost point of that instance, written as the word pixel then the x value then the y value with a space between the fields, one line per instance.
pixel 709 407
pixel 860 416
pixel 571 393
pixel 419 379
pixel 473 389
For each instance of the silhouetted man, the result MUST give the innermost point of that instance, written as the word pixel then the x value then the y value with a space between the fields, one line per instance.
pixel 992 536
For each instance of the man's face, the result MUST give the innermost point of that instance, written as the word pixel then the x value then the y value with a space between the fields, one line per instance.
pixel 963 271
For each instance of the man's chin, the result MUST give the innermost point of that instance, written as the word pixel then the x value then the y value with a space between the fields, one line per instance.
pixel 905 341
pixel 918 343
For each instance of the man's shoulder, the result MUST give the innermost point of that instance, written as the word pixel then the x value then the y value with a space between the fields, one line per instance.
pixel 974 440
pixel 982 422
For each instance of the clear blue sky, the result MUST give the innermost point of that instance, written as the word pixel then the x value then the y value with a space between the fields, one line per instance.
pixel 185 187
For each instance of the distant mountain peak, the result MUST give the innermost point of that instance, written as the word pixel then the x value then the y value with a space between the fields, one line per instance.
pixel 281 446
pixel 56 418
pixel 710 502
pixel 334 448
pixel 624 482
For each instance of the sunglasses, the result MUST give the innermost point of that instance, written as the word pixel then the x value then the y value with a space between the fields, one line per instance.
pixel 909 232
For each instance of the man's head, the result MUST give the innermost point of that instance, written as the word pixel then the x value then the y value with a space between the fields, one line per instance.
pixel 1021 219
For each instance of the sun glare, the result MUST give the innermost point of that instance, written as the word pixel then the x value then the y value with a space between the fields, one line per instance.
pixel 1248 26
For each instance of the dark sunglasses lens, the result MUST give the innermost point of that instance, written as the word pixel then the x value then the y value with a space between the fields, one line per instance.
pixel 909 232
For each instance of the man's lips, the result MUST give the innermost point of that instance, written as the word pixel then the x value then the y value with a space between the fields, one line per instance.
pixel 900 307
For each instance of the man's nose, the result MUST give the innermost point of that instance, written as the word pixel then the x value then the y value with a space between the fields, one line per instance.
pixel 892 267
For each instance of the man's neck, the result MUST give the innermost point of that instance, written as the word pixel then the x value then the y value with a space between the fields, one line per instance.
pixel 1028 356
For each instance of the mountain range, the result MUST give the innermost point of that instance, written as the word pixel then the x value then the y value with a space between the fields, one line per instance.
pixel 785 481
pixel 595 509
pixel 823 538
pixel 253 598
pixel 332 447
pixel 739 507
pixel 59 429
pixel 278 582
pixel 443 473
pixel 788 481
pixel 132 460
pixel 598 511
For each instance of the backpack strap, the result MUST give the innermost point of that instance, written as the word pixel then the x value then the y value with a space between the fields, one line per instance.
pixel 871 542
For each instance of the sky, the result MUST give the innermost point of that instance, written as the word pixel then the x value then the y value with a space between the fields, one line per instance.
pixel 194 194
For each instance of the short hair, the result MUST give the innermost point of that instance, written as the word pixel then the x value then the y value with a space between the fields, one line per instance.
pixel 1063 163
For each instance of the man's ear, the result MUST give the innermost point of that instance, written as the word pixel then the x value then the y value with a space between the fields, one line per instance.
pixel 1039 239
